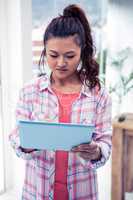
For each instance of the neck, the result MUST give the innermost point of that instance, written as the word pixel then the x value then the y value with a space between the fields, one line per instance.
pixel 73 80
pixel 71 85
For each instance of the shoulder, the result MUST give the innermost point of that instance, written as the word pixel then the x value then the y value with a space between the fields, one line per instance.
pixel 102 95
pixel 33 86
pixel 100 92
pixel 30 87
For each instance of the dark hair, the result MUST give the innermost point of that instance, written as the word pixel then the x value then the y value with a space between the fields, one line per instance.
pixel 74 22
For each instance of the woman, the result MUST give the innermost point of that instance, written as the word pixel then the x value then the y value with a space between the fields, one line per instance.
pixel 71 94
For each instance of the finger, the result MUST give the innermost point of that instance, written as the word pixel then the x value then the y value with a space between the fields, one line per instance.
pixel 81 145
pixel 86 145
pixel 75 148
pixel 92 155
pixel 89 146
pixel 85 150
pixel 85 156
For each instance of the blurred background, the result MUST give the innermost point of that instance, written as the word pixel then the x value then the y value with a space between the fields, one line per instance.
pixel 22 24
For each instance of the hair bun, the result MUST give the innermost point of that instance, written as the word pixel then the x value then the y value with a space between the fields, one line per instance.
pixel 72 11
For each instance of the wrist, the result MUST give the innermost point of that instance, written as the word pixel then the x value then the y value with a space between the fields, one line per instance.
pixel 98 154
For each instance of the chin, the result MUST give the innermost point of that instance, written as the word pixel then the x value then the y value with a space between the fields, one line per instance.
pixel 61 76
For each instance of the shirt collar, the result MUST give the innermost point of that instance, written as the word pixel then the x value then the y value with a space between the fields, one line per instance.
pixel 44 83
pixel 85 90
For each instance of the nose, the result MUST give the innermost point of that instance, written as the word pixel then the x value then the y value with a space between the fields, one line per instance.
pixel 61 61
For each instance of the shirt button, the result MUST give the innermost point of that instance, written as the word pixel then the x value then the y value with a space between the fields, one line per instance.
pixel 52 186
pixel 70 187
pixel 51 160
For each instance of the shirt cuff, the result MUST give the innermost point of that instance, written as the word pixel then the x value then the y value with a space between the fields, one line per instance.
pixel 105 153
pixel 22 154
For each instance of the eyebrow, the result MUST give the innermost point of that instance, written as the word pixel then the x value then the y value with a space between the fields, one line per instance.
pixel 68 52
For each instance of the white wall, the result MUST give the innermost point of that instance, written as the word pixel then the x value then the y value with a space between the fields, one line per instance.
pixel 120 29
pixel 16 59
pixel 119 32
pixel 2 187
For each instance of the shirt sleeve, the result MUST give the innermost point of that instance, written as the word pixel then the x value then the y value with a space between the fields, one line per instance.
pixel 23 112
pixel 103 129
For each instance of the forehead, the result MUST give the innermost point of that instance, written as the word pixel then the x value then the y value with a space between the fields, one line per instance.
pixel 62 44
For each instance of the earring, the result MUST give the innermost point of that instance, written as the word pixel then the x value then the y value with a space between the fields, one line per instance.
pixel 79 66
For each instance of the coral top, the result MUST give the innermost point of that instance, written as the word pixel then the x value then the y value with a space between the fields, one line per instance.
pixel 61 157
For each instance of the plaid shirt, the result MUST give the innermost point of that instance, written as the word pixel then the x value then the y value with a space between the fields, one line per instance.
pixel 38 102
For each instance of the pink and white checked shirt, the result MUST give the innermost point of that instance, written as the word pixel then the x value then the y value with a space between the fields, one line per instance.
pixel 38 102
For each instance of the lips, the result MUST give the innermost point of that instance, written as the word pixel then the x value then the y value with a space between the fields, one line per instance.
pixel 62 69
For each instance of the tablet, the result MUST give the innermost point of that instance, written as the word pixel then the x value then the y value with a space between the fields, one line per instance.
pixel 53 136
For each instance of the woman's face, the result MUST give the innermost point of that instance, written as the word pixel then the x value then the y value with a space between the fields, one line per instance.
pixel 63 56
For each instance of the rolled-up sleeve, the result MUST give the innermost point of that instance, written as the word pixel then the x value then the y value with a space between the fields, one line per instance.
pixel 103 128
pixel 23 111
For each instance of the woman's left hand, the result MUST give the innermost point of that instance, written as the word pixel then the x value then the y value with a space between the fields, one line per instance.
pixel 88 151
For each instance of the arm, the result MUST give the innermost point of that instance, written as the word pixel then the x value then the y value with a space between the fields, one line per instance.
pixel 103 129
pixel 98 151
pixel 23 111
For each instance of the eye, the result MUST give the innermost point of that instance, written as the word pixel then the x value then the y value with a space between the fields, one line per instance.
pixel 69 57
pixel 54 56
